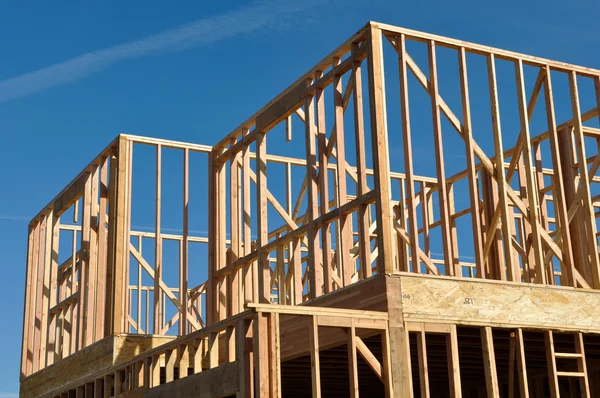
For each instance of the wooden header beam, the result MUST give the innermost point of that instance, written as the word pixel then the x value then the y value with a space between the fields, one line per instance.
pixel 486 50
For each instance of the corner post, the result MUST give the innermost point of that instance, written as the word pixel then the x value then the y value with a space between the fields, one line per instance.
pixel 212 242
pixel 27 306
pixel 379 144
pixel 264 268
pixel 120 239
pixel 244 355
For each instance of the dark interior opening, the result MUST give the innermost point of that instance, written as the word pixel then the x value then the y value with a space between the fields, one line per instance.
pixel 296 373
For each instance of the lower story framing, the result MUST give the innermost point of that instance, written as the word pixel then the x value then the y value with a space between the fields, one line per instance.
pixel 400 335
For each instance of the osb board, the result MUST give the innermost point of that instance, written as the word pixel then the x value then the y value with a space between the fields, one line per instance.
pixel 221 381
pixel 364 295
pixel 137 393
pixel 128 346
pixel 88 362
pixel 493 303
pixel 82 364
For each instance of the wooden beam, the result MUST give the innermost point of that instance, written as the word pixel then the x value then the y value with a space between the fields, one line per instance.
pixel 489 362
pixel 211 294
pixel 423 363
pixel 551 361
pixel 532 196
pixel 121 237
pixel 250 273
pixel 386 359
pixel 440 168
pixel 101 300
pixel 125 276
pixel 499 170
pixel 261 355
pixel 279 278
pixel 243 355
pixel 380 148
pixel 26 346
pixel 352 362
pixel 44 290
pixel 70 334
pixel 264 268
pixel 83 286
pixel 401 362
pixel 274 340
pixel 522 364
pixel 222 253
pixel 92 257
pixel 563 180
pixel 345 238
pixel 235 234
pixel 314 267
pixel 472 172
pixel 184 261
pixel 364 221
pixel 314 358
pixel 288 128
pixel 323 187
pixel 584 182
pixel 158 301
pixel 296 262
pixel 369 357
pixel 111 246
pixel 53 327
pixel 453 363
pixel 484 50
pixel 413 233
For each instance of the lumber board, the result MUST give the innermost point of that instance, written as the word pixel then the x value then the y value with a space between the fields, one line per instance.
pixel 495 303
pixel 91 360
pixel 485 50
pixel 222 381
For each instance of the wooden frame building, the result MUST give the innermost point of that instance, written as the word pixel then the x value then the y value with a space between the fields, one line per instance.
pixel 401 237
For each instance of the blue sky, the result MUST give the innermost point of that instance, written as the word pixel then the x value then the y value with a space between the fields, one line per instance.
pixel 75 74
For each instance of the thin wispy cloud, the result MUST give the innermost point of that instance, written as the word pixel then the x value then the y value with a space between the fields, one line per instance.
pixel 8 395
pixel 263 14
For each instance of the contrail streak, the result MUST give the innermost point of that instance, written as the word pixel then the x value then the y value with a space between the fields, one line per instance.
pixel 257 15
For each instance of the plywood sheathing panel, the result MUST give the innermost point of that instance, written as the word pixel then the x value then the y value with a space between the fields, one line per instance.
pixel 221 381
pixel 501 304
pixel 92 360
